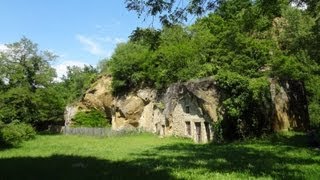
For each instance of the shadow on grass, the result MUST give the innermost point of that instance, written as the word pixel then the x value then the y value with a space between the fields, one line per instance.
pixel 75 167
pixel 5 147
pixel 229 159
pixel 279 161
pixel 292 141
pixel 296 140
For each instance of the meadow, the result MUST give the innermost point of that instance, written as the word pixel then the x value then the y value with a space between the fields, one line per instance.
pixel 146 156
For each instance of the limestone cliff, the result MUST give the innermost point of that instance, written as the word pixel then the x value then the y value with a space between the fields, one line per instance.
pixel 187 109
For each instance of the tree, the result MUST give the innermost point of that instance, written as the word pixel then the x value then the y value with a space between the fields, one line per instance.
pixel 77 81
pixel 171 11
pixel 147 37
pixel 26 77
pixel 129 66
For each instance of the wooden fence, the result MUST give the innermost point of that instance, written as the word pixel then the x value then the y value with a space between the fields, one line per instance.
pixel 87 131
pixel 90 131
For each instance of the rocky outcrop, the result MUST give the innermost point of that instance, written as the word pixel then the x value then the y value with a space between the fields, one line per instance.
pixel 129 110
pixel 290 106
pixel 187 109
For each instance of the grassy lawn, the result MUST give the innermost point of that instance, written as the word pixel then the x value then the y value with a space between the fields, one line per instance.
pixel 146 156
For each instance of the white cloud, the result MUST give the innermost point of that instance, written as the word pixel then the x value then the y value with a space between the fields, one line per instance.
pixel 91 45
pixel 111 40
pixel 101 46
pixel 61 68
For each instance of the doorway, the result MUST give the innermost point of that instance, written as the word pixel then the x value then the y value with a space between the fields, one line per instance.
pixel 207 126
pixel 163 130
pixel 198 131
pixel 188 128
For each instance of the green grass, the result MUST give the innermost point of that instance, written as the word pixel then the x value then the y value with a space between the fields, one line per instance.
pixel 146 156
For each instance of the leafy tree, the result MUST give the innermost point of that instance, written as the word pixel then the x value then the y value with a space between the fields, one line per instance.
pixel 128 66
pixel 171 11
pixel 77 81
pixel 26 74
pixel 147 37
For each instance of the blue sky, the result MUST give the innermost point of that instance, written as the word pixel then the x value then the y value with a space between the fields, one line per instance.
pixel 78 31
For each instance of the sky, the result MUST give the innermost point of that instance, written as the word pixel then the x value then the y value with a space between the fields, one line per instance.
pixel 78 31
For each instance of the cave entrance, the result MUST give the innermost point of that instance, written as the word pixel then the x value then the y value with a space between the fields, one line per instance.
pixel 207 127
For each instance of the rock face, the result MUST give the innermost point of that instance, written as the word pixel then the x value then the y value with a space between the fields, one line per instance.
pixel 290 105
pixel 186 109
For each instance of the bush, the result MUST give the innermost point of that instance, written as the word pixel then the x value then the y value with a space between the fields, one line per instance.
pixel 312 86
pixel 93 118
pixel 245 105
pixel 14 133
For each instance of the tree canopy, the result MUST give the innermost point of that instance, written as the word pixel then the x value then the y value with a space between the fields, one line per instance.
pixel 26 78
pixel 29 92
pixel 179 11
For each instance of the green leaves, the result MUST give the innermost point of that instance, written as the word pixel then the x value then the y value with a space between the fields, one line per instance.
pixel 171 11
pixel 129 65
pixel 26 79
pixel 77 81
pixel 92 118
pixel 14 133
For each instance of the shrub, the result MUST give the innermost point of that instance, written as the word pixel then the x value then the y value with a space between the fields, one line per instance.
pixel 14 133
pixel 245 104
pixel 312 86
pixel 1 125
pixel 93 118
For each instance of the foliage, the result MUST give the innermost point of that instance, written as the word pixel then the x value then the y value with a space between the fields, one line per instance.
pixel 27 86
pixel 147 37
pixel 103 66
pixel 128 66
pixel 77 81
pixel 312 86
pixel 14 133
pixel 171 11
pixel 92 118
pixel 245 104
pixel 241 43
pixel 218 131
pixel 179 57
